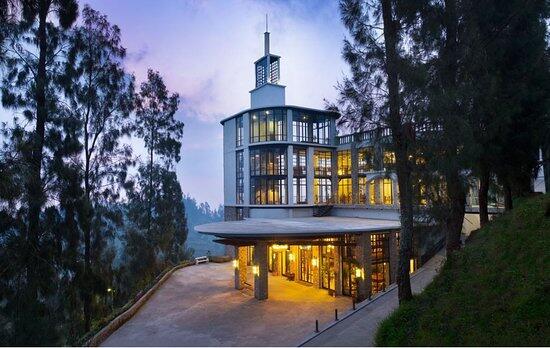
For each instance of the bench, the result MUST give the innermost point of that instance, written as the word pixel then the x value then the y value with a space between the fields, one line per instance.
pixel 201 259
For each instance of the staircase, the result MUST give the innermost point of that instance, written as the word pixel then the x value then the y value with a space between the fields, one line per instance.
pixel 322 210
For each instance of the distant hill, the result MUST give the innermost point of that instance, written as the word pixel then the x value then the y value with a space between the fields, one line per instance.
pixel 197 214
pixel 494 292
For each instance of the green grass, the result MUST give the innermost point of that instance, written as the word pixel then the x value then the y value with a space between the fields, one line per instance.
pixel 496 291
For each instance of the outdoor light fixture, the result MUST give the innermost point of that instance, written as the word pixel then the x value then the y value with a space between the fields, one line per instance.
pixel 314 262
pixel 109 289
pixel 235 264
pixel 277 247
pixel 291 257
pixel 358 273
pixel 256 270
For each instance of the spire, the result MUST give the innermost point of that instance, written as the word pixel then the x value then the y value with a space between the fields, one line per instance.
pixel 266 37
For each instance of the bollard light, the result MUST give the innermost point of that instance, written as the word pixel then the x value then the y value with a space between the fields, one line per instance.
pixel 236 264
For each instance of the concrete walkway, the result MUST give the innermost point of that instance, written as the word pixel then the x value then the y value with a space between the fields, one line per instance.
pixel 198 306
pixel 359 328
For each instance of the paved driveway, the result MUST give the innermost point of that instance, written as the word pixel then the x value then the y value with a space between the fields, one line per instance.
pixel 197 306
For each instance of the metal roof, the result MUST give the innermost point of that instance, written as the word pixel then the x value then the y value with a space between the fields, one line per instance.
pixel 296 227
pixel 334 113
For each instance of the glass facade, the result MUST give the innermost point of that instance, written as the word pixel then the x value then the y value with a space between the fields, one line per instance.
pixel 267 190
pixel 268 125
pixel 322 190
pixel 310 128
pixel 389 158
pixel 380 255
pixel 239 130
pixel 363 189
pixel 365 160
pixel 344 162
pixel 299 189
pixel 345 191
pixel 322 163
pixel 239 185
pixel 268 161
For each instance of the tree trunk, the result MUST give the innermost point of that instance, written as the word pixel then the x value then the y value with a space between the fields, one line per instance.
pixel 483 195
pixel 457 209
pixel 508 205
pixel 401 143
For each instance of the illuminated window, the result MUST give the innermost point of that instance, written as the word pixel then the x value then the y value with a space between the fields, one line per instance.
pixel 268 125
pixel 267 191
pixel 372 193
pixel 344 191
pixel 322 163
pixel 299 162
pixel 365 160
pixel 380 255
pixel 299 188
pixel 344 162
pixel 310 128
pixel 322 190
pixel 268 161
pixel 389 158
pixel 386 192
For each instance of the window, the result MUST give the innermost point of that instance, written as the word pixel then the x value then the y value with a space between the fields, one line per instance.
pixel 322 163
pixel 380 261
pixel 311 128
pixel 344 191
pixel 386 192
pixel 267 191
pixel 299 188
pixel 239 214
pixel 299 162
pixel 365 160
pixel 239 129
pixel 240 177
pixel 268 161
pixel 322 190
pixel 268 125
pixel 389 158
pixel 372 193
pixel 362 190
pixel 344 162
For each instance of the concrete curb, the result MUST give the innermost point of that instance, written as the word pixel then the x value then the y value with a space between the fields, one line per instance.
pixel 122 318
pixel 359 306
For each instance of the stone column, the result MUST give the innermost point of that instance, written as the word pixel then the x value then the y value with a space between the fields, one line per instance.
pixel 394 256
pixel 364 258
pixel 260 280
pixel 240 270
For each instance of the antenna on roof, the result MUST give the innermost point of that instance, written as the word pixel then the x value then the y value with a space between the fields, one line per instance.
pixel 266 38
pixel 266 24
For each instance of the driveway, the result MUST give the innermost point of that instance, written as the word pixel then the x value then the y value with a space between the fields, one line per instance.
pixel 198 306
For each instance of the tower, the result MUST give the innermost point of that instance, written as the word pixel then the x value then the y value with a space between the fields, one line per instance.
pixel 267 91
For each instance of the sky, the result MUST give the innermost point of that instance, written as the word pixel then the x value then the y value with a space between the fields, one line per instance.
pixel 205 51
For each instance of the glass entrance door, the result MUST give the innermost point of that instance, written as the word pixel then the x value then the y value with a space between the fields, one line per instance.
pixel 328 267
pixel 306 269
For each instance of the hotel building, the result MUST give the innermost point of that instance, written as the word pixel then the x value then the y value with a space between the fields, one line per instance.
pixel 304 202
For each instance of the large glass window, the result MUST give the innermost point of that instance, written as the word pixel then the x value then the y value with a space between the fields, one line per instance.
pixel 386 192
pixel 365 160
pixel 389 158
pixel 268 161
pixel 362 190
pixel 300 129
pixel 311 128
pixel 344 191
pixel 299 188
pixel 267 190
pixel 328 267
pixel 239 130
pixel 321 129
pixel 306 268
pixel 268 125
pixel 240 177
pixel 344 162
pixel 299 162
pixel 380 255
pixel 322 163
pixel 322 190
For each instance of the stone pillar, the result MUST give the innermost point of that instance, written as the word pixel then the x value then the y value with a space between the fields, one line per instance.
pixel 394 256
pixel 364 258
pixel 338 270
pixel 260 260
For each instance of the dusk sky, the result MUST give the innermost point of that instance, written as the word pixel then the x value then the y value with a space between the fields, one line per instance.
pixel 205 51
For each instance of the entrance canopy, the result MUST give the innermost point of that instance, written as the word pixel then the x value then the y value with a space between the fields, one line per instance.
pixel 296 227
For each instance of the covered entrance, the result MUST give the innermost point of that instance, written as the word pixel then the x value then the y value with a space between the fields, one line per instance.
pixel 333 254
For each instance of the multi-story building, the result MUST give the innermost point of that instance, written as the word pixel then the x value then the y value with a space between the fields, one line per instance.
pixel 301 200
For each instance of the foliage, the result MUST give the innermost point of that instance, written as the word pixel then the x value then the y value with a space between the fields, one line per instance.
pixel 494 292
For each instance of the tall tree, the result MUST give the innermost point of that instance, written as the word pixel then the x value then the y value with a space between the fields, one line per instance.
pixel 100 96
pixel 157 126
pixel 373 96
pixel 32 52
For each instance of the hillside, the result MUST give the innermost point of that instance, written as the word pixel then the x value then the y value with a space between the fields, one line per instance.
pixel 495 292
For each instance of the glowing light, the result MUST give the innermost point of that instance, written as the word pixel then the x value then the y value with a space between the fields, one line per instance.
pixel 277 247
pixel 109 290
pixel 235 264
pixel 358 273
pixel 411 265
pixel 256 270
pixel 314 262
pixel 291 257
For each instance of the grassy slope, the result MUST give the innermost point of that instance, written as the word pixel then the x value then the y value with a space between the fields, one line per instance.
pixel 496 291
